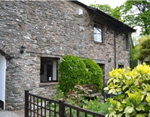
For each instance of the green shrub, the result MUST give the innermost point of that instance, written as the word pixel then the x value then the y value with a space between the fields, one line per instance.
pixel 73 97
pixel 96 106
pixel 76 98
pixel 104 107
pixel 133 88
pixel 94 73
pixel 60 95
pixel 72 71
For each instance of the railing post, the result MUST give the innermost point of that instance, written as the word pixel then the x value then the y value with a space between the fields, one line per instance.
pixel 61 108
pixel 26 103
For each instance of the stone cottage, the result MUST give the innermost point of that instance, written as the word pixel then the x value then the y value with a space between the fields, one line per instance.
pixel 35 34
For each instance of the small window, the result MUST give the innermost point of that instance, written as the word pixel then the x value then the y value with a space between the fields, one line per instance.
pixel 98 34
pixel 120 66
pixel 48 72
pixel 80 12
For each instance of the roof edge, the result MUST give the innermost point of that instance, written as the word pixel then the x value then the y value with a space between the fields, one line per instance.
pixel 99 12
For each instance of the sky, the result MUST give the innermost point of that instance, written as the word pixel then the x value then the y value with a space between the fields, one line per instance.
pixel 112 3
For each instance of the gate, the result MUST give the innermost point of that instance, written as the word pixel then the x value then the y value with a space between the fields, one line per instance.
pixel 37 106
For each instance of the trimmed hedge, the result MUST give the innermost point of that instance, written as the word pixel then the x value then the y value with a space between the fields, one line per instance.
pixel 94 73
pixel 74 70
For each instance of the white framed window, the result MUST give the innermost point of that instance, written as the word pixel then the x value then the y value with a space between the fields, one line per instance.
pixel 48 71
pixel 98 35
pixel 80 12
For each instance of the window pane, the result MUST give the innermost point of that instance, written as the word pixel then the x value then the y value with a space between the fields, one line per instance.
pixel 54 70
pixel 95 30
pixel 43 76
pixel 99 30
pixel 49 72
pixel 97 35
pixel 42 69
pixel 99 38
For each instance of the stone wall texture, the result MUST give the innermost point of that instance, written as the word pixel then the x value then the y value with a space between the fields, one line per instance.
pixel 49 29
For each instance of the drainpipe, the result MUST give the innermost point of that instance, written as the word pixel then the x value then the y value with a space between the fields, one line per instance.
pixel 114 49
pixel 129 41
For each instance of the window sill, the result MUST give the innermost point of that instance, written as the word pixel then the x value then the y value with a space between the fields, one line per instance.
pixel 98 42
pixel 48 84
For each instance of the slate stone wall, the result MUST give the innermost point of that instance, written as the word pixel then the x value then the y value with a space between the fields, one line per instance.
pixel 122 53
pixel 49 29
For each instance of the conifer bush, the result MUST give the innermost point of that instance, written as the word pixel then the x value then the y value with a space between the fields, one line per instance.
pixel 133 89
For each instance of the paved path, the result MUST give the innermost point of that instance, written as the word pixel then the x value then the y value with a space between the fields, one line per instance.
pixel 20 113
pixel 4 113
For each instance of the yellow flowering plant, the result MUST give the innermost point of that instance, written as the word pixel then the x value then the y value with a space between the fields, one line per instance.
pixel 133 92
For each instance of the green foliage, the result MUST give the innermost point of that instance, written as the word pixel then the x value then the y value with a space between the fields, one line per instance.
pixel 132 12
pixel 143 48
pixel 94 73
pixel 74 70
pixel 104 107
pixel 133 63
pixel 116 12
pixel 54 107
pixel 60 94
pixel 137 13
pixel 105 8
pixel 77 98
pixel 133 88
pixel 74 97
pixel 96 106
pixel 38 100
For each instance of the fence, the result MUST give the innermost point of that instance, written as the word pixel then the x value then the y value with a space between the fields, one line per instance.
pixel 37 106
